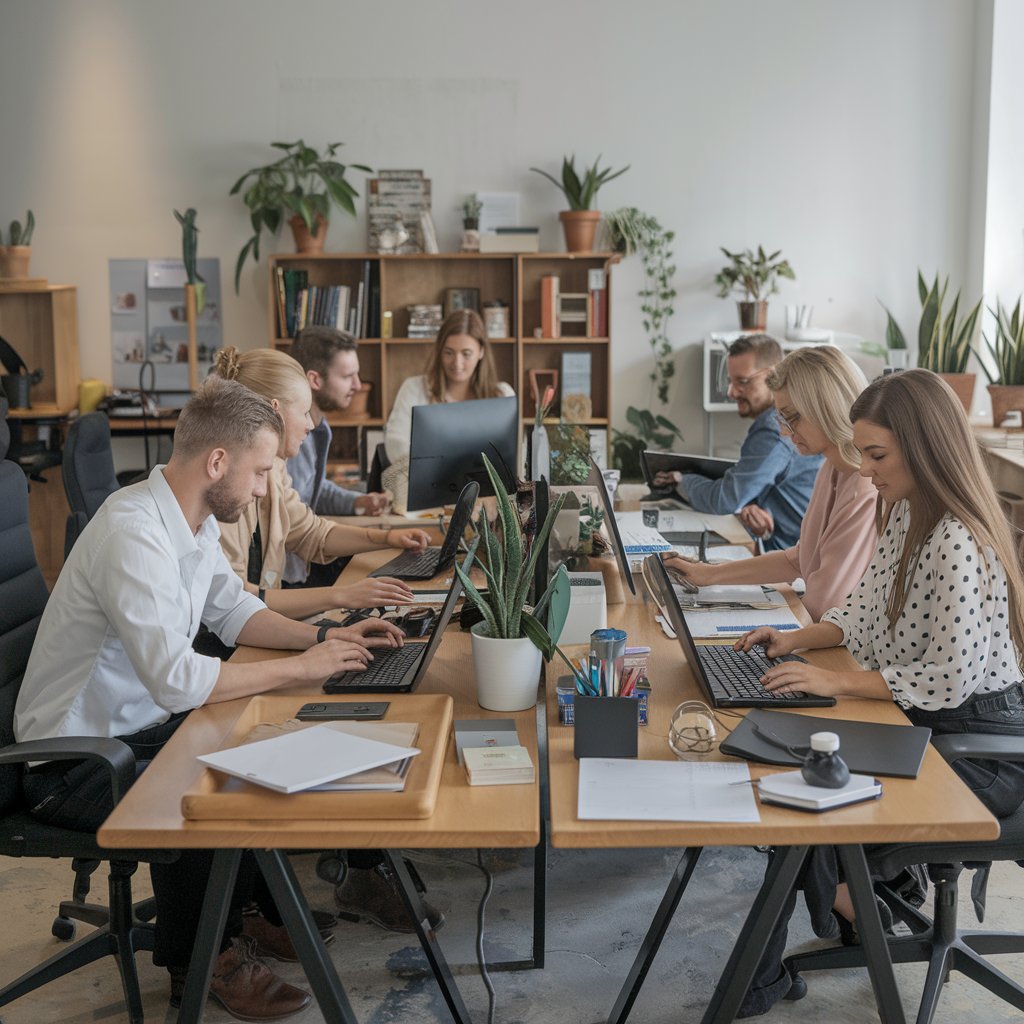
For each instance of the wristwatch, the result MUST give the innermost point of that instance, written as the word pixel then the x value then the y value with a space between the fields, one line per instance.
pixel 321 633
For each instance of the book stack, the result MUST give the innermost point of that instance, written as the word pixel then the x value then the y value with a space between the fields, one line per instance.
pixel 424 320
pixel 597 304
pixel 300 304
pixel 401 195
pixel 498 766
pixel 510 239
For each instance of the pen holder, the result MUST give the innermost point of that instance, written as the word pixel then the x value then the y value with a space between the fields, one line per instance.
pixel 565 690
pixel 605 726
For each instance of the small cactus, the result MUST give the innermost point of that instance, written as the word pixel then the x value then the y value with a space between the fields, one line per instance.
pixel 21 236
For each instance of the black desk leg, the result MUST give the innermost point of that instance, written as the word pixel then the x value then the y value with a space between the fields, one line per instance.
pixel 428 940
pixel 216 904
pixel 540 894
pixel 746 954
pixel 302 930
pixel 872 938
pixel 655 933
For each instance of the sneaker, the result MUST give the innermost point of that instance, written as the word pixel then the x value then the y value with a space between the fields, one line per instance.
pixel 273 940
pixel 245 986
pixel 848 934
pixel 372 894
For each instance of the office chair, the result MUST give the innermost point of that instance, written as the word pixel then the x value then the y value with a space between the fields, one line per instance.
pixel 88 471
pixel 940 942
pixel 377 466
pixel 121 930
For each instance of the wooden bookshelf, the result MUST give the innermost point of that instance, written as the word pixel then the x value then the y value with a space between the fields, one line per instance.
pixel 424 278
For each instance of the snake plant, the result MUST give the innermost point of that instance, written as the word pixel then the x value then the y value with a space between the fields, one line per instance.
pixel 579 192
pixel 1008 349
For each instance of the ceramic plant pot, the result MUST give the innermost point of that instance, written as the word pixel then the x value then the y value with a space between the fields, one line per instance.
pixel 1005 398
pixel 14 260
pixel 507 671
pixel 579 226
pixel 753 315
pixel 304 240
pixel 963 385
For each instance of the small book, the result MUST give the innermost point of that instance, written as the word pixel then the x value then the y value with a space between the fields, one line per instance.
pixel 484 732
pixel 498 766
pixel 790 790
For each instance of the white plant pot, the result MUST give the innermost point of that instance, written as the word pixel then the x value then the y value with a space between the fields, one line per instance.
pixel 507 671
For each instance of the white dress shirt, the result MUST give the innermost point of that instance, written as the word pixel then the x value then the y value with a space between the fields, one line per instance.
pixel 113 654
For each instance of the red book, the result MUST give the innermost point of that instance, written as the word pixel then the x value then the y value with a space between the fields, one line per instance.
pixel 549 327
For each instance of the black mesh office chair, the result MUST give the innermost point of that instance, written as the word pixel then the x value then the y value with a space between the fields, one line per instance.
pixel 940 942
pixel 88 472
pixel 121 930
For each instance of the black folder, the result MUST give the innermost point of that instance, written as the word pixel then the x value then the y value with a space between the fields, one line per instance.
pixel 868 748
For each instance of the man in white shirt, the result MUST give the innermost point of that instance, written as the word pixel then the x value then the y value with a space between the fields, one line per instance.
pixel 113 657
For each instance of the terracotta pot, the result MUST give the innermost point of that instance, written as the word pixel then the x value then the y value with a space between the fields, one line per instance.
pixel 358 407
pixel 963 385
pixel 304 241
pixel 579 226
pixel 1005 398
pixel 753 315
pixel 14 260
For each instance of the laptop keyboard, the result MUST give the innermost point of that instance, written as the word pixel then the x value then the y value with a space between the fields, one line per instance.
pixel 735 675
pixel 412 563
pixel 388 668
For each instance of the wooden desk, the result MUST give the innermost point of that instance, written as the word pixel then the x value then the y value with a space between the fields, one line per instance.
pixel 150 816
pixel 936 804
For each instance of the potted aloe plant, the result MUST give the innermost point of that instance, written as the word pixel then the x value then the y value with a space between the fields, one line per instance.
pixel 580 222
pixel 301 185
pixel 755 276
pixel 510 642
pixel 14 256
pixel 1006 386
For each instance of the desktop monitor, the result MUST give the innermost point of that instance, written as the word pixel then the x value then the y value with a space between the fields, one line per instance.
pixel 447 439
pixel 596 479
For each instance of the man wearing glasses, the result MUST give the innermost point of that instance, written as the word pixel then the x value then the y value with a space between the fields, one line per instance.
pixel 771 484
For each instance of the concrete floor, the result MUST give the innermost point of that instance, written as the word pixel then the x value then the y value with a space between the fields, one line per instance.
pixel 599 905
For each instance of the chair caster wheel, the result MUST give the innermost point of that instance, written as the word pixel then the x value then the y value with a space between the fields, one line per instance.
pixel 63 928
pixel 331 867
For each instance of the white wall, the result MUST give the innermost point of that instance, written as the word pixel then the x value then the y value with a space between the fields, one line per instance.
pixel 840 132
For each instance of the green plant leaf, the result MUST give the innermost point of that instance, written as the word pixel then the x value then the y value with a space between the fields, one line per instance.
pixel 537 635
pixel 479 602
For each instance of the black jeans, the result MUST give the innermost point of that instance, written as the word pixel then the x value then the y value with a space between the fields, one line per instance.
pixel 76 795
pixel 999 785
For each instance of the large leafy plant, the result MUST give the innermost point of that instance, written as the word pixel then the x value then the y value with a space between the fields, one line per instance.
pixel 943 341
pixel 753 275
pixel 508 565
pixel 1008 349
pixel 651 432
pixel 580 192
pixel 301 183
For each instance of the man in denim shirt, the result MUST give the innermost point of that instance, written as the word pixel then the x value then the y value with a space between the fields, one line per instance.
pixel 771 484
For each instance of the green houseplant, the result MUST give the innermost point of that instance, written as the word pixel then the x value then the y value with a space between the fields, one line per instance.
pixel 651 431
pixel 755 276
pixel 580 221
pixel 14 256
pixel 301 185
pixel 1006 386
pixel 510 641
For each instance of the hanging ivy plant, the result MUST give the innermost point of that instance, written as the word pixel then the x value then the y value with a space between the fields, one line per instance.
pixel 631 231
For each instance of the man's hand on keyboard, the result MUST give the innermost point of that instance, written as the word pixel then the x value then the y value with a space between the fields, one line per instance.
pixel 371 632
pixel 373 593
pixel 411 540
pixel 332 656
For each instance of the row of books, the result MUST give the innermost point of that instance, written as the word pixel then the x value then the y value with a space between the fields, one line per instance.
pixel 589 308
pixel 300 304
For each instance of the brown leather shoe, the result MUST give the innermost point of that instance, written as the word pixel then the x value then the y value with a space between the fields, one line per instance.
pixel 274 940
pixel 249 990
pixel 371 894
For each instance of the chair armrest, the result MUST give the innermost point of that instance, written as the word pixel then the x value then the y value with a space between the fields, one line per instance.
pixel 954 746
pixel 115 756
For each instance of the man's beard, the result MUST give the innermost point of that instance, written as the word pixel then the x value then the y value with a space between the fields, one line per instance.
pixel 223 503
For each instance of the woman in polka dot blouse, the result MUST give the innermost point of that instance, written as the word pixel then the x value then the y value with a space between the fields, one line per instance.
pixel 937 623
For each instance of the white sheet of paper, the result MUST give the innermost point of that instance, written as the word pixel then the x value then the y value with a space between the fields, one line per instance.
pixel 619 789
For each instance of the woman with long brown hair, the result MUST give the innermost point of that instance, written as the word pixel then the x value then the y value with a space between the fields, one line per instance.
pixel 460 368
pixel 936 624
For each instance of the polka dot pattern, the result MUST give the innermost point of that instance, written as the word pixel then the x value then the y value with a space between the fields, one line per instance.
pixel 953 638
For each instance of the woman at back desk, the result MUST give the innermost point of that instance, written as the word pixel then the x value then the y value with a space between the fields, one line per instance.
pixel 936 624
pixel 461 368
pixel 814 389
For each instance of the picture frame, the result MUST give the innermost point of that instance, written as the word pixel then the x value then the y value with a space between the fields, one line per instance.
pixel 461 298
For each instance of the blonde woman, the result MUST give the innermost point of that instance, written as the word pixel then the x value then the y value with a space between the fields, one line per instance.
pixel 936 624
pixel 460 368
pixel 280 522
pixel 814 389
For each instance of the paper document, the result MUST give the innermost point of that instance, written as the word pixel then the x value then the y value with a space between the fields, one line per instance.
pixel 637 537
pixel 618 789
pixel 719 553
pixel 301 760
pixel 724 611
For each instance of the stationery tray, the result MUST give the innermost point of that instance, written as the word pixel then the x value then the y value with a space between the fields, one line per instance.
pixel 217 796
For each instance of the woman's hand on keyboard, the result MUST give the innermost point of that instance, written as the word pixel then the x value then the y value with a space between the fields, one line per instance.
pixel 411 540
pixel 373 593
pixel 700 574
pixel 773 642
pixel 372 632
pixel 797 677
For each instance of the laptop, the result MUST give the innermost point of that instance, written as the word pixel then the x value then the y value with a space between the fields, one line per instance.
pixel 652 463
pixel 729 678
pixel 424 565
pixel 595 478
pixel 400 669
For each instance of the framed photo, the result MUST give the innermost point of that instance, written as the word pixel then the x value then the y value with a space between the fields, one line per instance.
pixel 461 298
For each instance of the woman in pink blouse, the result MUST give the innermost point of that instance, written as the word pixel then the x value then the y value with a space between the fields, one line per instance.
pixel 814 389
